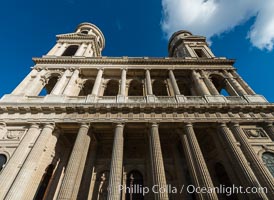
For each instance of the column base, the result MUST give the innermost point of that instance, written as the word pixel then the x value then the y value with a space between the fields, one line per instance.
pixel 255 98
pixel 54 98
pixel 121 99
pixel 215 98
pixel 180 98
pixel 11 98
pixel 151 99
pixel 91 99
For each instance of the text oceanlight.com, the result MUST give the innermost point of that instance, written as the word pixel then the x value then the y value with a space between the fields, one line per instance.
pixel 191 189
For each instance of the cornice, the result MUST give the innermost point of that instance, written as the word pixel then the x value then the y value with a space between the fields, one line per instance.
pixel 75 36
pixel 132 61
pixel 130 107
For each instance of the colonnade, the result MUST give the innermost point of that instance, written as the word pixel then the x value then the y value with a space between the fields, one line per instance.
pixel 254 174
pixel 68 83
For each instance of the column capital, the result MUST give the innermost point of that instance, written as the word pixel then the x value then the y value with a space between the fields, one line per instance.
pixel 119 124
pixel 234 124
pixel 222 124
pixel 154 124
pixel 188 124
pixel 34 125
pixel 49 125
pixel 100 68
pixel 85 125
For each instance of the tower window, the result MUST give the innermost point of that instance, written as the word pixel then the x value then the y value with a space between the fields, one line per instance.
pixel 84 31
pixel 200 53
pixel 3 160
pixel 71 50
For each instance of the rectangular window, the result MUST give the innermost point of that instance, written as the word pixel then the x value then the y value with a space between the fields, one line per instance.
pixel 200 53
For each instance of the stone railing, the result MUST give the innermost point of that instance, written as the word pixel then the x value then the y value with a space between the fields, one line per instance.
pixel 136 99
pixel 247 99
pixel 165 99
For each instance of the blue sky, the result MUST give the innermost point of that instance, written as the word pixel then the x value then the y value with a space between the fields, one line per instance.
pixel 28 29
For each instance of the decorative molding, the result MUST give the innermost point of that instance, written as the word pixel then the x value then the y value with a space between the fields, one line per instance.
pixel 255 133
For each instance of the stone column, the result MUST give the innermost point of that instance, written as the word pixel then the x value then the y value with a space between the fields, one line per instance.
pixel 96 87
pixel 72 169
pixel 72 84
pixel 263 175
pixel 61 50
pixel 57 90
pixel 174 82
pixel 12 167
pixel 35 85
pixel 196 162
pixel 81 168
pixel 148 83
pixel 234 83
pixel 209 84
pixel 116 167
pixel 20 89
pixel 248 179
pixel 123 82
pixel 243 83
pixel 81 50
pixel 157 163
pixel 203 90
pixel 31 163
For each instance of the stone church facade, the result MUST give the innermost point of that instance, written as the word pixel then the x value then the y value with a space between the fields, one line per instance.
pixel 83 126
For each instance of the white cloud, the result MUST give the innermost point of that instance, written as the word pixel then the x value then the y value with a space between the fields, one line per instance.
pixel 213 17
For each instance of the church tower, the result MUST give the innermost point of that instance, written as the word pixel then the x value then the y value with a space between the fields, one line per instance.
pixel 86 126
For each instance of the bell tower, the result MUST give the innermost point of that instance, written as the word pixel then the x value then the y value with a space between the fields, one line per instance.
pixel 184 44
pixel 86 41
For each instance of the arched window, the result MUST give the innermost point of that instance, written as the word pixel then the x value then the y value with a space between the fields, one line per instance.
pixel 49 85
pixel 134 181
pixel 135 88
pixel 3 160
pixel 159 88
pixel 184 88
pixel 268 159
pixel 87 88
pixel 221 85
pixel 112 88
pixel 71 50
